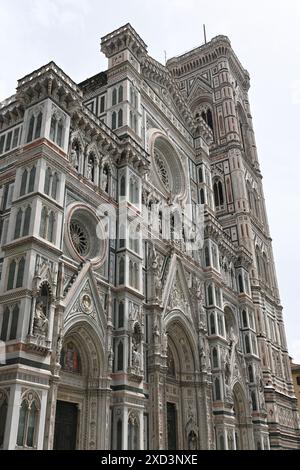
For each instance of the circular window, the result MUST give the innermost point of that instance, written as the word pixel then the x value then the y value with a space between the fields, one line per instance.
pixel 161 167
pixel 85 236
pixel 167 169
pixel 80 238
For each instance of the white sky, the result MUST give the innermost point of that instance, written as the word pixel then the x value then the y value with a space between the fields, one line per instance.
pixel 265 35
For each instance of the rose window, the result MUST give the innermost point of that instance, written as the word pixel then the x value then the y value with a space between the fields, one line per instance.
pixel 162 169
pixel 79 237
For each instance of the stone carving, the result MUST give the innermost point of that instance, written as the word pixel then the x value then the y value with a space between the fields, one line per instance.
pixel 86 303
pixel 74 159
pixel 157 287
pixel 40 323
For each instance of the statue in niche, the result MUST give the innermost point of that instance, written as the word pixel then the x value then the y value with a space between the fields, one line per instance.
pixel 156 334
pixel 136 358
pixel 192 441
pixel 40 323
pixel 74 159
pixel 90 169
pixel 104 179
pixel 156 276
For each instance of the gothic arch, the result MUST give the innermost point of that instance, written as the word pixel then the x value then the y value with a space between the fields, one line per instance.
pixel 89 344
pixel 240 407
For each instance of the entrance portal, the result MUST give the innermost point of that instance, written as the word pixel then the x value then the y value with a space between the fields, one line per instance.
pixel 65 426
pixel 172 426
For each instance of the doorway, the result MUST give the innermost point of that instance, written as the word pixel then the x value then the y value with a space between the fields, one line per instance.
pixel 172 426
pixel 66 420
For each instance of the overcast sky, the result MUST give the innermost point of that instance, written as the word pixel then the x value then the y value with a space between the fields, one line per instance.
pixel 266 37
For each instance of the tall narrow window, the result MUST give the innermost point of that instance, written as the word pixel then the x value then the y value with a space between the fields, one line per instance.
pixel 30 129
pixel 51 222
pixel 60 128
pixel 245 319
pixel 120 356
pixel 241 284
pixel 11 275
pixel 14 323
pixel 207 256
pixel 114 97
pixel 215 358
pixel 53 128
pixel 120 93
pixel 26 222
pixel 48 176
pixel 5 321
pixel 210 295
pixel 23 183
pixel 20 274
pixel 121 271
pixel 114 120
pixel 212 324
pixel 27 424
pixel 123 187
pixel 3 416
pixel 247 345
pixel 31 180
pixel 254 401
pixel 43 223
pixel 121 315
pixel 217 389
pixel 250 373
pixel 38 127
pixel 120 118
pixel 18 224
pixel 54 186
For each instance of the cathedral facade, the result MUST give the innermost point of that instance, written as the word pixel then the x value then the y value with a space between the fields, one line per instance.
pixel 139 307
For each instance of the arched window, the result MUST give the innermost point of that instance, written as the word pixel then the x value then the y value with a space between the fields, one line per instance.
pixel 241 284
pixel 120 118
pixel 20 274
pixel 245 319
pixel 202 196
pixel 31 180
pixel 4 327
pixel 217 389
pixel 70 358
pixel 218 193
pixel 210 295
pixel 54 186
pixel 47 183
pixel 207 256
pixel 43 224
pixel 51 222
pixel 114 97
pixel 200 174
pixel 130 273
pixel 38 127
pixel 121 315
pixel 114 120
pixel 11 275
pixel 212 324
pixel 26 221
pixel 121 271
pixel 250 373
pixel 123 187
pixel 18 225
pixel 247 345
pixel 23 183
pixel 135 123
pixel 60 129
pixel 210 119
pixel 120 94
pixel 14 323
pixel 30 129
pixel 133 433
pixel 120 356
pixel 28 420
pixel 3 416
pixel 254 401
pixel 53 128
pixel 136 276
pixel 215 358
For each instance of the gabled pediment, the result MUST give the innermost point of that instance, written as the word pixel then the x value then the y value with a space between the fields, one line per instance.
pixel 84 300
pixel 199 89
pixel 176 294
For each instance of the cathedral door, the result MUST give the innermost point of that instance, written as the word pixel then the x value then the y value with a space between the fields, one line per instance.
pixel 65 426
pixel 172 426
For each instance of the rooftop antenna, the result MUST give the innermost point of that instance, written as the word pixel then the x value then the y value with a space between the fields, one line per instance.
pixel 204 31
